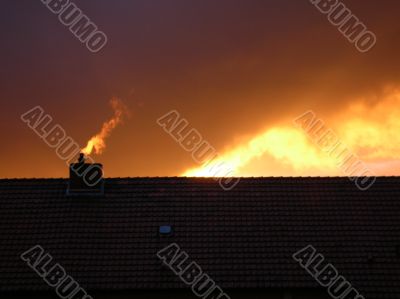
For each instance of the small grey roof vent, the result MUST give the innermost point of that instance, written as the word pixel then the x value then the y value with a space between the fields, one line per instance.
pixel 165 230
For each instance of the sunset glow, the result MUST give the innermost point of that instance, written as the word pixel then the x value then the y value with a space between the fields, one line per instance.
pixel 375 140
pixel 236 73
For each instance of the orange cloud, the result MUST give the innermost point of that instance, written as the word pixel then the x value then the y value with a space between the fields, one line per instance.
pixel 370 131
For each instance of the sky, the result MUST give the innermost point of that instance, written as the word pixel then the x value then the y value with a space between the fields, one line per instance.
pixel 238 72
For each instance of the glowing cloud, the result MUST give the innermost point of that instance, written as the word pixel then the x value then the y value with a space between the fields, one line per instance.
pixel 371 131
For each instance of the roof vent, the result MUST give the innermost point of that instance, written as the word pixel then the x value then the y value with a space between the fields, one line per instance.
pixel 85 178
pixel 165 230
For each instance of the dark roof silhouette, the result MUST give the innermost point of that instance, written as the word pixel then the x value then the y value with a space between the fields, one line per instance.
pixel 244 238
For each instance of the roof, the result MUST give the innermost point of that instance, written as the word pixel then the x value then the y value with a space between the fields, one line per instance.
pixel 244 238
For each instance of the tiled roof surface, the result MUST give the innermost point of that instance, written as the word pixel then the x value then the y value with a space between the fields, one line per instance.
pixel 244 238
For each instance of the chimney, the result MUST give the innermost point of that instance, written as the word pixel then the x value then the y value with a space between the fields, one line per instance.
pixel 85 178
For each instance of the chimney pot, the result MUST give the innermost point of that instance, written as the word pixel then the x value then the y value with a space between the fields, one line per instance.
pixel 85 178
